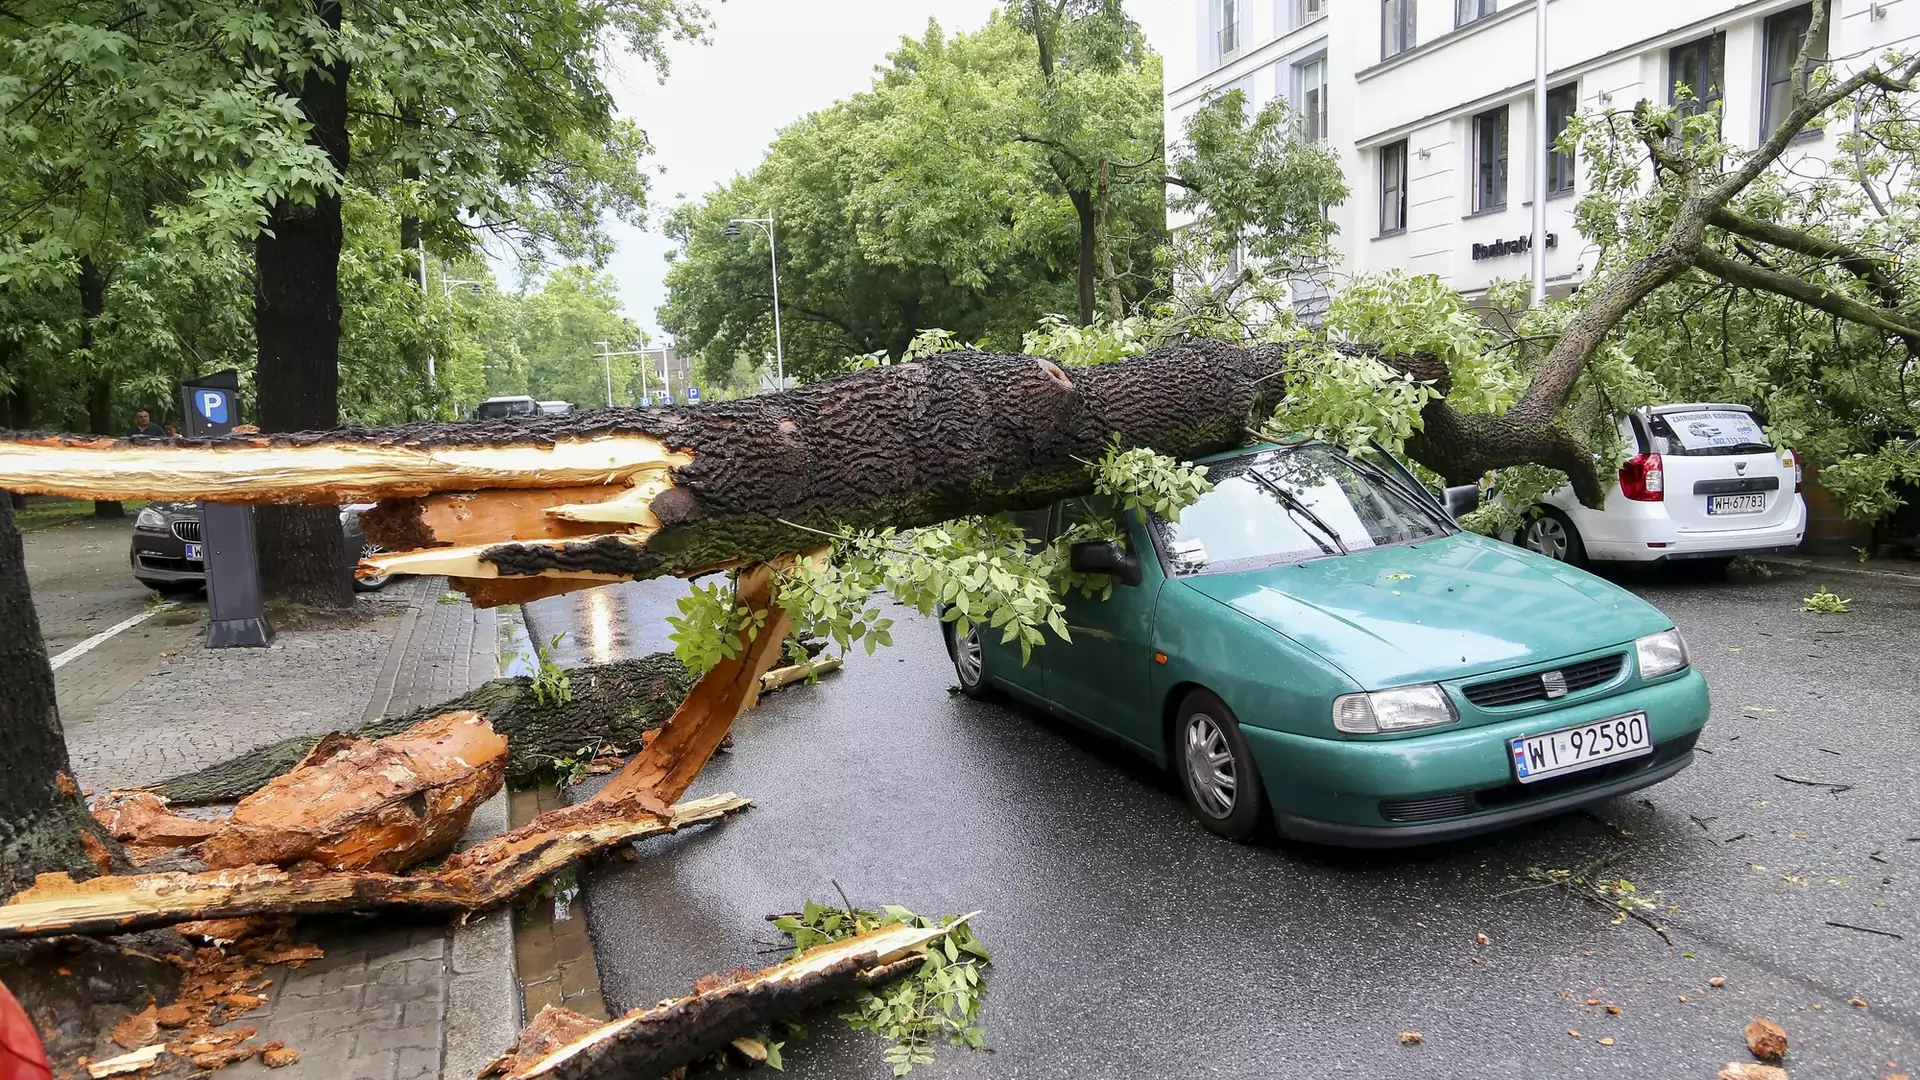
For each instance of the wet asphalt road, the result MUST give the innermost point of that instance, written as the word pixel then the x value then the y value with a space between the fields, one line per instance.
pixel 1130 942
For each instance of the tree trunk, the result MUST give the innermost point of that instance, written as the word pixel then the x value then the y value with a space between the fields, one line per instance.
pixel 93 302
pixel 1113 304
pixel 297 327
pixel 1083 206
pixel 44 824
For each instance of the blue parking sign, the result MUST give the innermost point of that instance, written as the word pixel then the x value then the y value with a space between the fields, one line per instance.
pixel 693 395
pixel 646 402
pixel 211 404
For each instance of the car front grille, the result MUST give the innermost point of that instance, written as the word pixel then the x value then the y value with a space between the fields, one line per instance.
pixel 1520 689
pixel 187 529
pixel 1428 808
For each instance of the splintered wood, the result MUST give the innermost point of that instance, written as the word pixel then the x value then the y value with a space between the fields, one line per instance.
pixel 654 1041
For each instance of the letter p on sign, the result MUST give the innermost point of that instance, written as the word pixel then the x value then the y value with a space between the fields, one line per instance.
pixel 213 405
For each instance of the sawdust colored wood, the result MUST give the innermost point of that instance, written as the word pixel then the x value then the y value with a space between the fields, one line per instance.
pixel 478 878
pixel 652 1042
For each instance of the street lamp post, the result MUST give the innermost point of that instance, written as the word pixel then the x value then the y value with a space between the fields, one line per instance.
pixel 773 259
pixel 1544 134
pixel 607 357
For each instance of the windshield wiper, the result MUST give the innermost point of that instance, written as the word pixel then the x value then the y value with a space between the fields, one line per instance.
pixel 1375 472
pixel 1292 502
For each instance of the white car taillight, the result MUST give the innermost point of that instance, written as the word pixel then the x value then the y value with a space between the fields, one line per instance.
pixel 1644 478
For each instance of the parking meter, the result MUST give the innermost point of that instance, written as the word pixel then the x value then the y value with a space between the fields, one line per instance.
pixel 235 617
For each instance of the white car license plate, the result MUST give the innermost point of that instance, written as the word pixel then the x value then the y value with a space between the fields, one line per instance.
pixel 193 553
pixel 1556 753
pixel 1736 504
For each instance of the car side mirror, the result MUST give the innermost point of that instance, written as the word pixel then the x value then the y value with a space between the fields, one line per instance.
pixel 1463 500
pixel 1102 557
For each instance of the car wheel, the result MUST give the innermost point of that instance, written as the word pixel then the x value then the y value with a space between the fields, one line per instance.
pixel 372 584
pixel 1550 533
pixel 1223 786
pixel 969 662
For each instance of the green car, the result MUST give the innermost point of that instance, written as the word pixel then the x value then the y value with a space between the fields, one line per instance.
pixel 1318 650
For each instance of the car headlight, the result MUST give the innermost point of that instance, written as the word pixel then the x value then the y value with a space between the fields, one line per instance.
pixel 1661 654
pixel 1401 709
pixel 150 518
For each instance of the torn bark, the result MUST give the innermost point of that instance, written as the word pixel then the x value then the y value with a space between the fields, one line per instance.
pixel 478 878
pixel 359 805
pixel 143 819
pixel 614 706
pixel 651 1042
pixel 906 445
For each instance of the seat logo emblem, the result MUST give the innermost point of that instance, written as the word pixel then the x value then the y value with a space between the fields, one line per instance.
pixel 1555 684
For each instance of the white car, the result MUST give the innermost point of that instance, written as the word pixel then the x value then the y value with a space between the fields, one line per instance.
pixel 1700 482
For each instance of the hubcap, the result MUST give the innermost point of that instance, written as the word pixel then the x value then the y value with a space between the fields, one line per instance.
pixel 966 657
pixel 1548 537
pixel 367 551
pixel 1209 766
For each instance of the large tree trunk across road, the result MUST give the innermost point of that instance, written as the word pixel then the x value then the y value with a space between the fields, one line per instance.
pixel 638 493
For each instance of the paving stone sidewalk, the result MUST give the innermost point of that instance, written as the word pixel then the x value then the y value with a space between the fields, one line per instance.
pixel 394 999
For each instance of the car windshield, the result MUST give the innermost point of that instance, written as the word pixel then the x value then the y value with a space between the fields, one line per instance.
pixel 1287 505
pixel 1708 432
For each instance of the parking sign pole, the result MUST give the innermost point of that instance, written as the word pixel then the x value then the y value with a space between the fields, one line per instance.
pixel 235 615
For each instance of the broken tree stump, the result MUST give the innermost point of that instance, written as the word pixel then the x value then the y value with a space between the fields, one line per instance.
pixel 478 878
pixel 355 804
pixel 614 706
pixel 652 1042
pixel 690 490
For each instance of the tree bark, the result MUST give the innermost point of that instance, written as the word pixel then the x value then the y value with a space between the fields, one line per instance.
pixel 297 327
pixel 44 824
pixel 93 303
pixel 1113 303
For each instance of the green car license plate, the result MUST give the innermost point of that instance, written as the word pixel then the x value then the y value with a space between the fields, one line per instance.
pixel 1570 750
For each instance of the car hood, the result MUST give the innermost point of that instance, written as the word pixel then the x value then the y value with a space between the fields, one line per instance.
pixel 1442 609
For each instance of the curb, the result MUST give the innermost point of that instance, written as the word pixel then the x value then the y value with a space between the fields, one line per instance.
pixel 483 991
pixel 1911 580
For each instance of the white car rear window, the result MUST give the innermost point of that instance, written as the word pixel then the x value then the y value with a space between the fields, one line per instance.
pixel 1710 430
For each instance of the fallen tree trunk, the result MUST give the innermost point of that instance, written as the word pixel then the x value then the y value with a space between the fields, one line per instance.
pixel 478 878
pixel 651 1042
pixel 689 490
pixel 359 805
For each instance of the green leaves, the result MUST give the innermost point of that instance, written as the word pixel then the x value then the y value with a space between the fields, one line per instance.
pixel 713 626
pixel 1145 480
pixel 940 1000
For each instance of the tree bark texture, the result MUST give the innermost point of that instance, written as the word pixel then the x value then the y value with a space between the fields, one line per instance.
pixel 297 328
pixel 613 709
pixel 44 823
pixel 693 489
pixel 653 1042
pixel 475 879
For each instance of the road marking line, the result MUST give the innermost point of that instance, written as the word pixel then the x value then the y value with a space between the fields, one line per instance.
pixel 88 645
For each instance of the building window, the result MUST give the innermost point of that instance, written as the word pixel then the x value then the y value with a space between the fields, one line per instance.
pixel 1561 104
pixel 1785 33
pixel 1701 67
pixel 1310 97
pixel 1490 159
pixel 1305 11
pixel 1228 36
pixel 1393 188
pixel 1466 11
pixel 1396 27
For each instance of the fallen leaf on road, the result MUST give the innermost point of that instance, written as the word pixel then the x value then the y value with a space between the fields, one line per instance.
pixel 1683 997
pixel 1410 1038
pixel 1717 981
pixel 1613 1010
pixel 1593 1001
pixel 1747 1070
pixel 1606 1041
pixel 1858 1003
pixel 1586 952
pixel 1573 1033
pixel 1766 1039
pixel 1482 939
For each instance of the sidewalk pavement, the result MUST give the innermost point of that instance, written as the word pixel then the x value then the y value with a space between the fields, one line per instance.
pixel 1902 571
pixel 394 999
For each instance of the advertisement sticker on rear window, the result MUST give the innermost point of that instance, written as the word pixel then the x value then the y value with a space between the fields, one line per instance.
pixel 1701 430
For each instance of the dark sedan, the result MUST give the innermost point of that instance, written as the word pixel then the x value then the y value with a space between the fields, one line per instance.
pixel 167 555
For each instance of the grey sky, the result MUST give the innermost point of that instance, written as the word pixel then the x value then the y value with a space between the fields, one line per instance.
pixel 769 62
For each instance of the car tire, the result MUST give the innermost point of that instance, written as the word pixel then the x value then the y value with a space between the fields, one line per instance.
pixel 1551 533
pixel 969 661
pixel 372 584
pixel 1223 786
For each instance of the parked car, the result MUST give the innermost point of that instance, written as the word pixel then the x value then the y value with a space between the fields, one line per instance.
pixel 1700 482
pixel 1317 648
pixel 519 407
pixel 556 408
pixel 168 556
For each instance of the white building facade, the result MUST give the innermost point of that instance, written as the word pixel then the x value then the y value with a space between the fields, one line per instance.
pixel 1430 103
